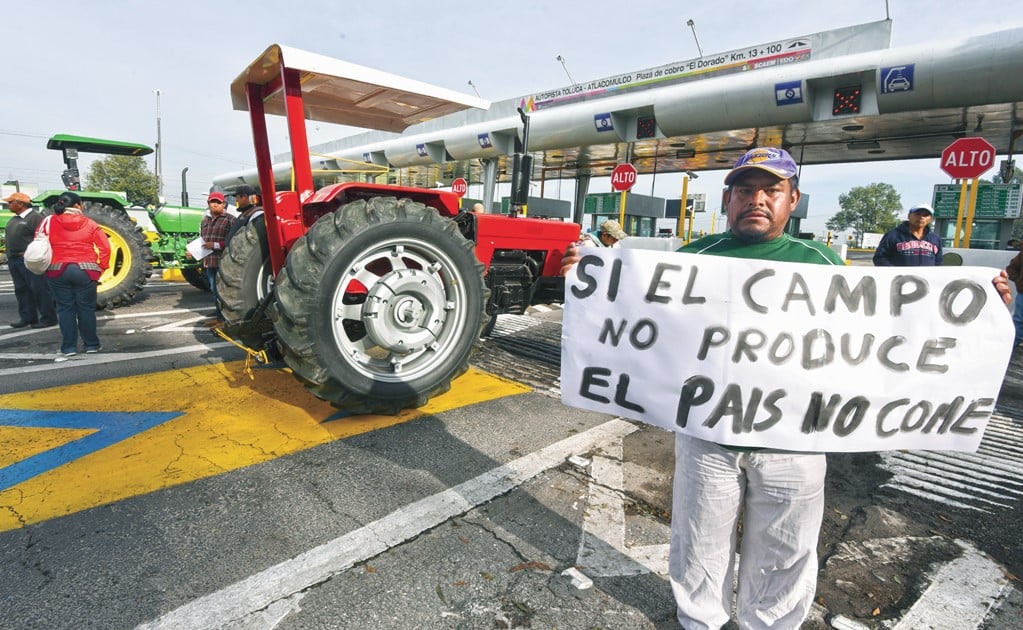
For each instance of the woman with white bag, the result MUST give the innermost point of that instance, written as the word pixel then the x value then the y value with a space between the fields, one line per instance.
pixel 81 253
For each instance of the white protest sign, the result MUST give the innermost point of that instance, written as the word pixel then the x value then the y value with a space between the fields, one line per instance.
pixel 782 355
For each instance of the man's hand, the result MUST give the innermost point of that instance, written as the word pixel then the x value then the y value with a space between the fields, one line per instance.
pixel 570 258
pixel 1001 282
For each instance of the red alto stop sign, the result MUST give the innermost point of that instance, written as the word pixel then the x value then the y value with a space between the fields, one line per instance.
pixel 967 158
pixel 623 177
pixel 460 187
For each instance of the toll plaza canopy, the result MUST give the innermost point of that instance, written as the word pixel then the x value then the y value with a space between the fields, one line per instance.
pixel 833 97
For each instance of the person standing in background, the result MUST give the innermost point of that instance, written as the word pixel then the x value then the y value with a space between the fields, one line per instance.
pixel 248 209
pixel 35 303
pixel 911 244
pixel 608 234
pixel 214 230
pixel 81 253
pixel 1015 272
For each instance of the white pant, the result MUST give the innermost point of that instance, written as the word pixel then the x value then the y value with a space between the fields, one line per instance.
pixel 782 497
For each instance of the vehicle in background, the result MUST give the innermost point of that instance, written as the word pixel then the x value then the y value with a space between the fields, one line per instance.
pixel 141 239
pixel 130 253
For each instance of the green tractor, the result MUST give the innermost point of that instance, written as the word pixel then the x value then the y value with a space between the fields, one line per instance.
pixel 133 255
pixel 169 229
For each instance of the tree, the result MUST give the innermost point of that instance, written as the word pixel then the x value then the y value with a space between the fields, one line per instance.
pixel 123 173
pixel 873 208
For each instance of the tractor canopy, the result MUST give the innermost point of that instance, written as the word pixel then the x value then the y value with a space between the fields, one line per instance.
pixel 112 199
pixel 344 93
pixel 96 145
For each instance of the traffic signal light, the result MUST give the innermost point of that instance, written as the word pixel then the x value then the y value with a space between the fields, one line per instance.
pixel 847 100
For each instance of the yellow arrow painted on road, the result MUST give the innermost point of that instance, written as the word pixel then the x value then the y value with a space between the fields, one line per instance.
pixel 227 421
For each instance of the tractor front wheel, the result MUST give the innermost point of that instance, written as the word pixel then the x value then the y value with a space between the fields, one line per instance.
pixel 380 305
pixel 244 279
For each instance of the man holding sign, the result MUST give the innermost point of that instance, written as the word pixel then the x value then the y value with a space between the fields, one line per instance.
pixel 740 344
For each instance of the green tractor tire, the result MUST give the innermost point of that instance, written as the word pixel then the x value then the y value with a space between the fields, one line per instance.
pixel 130 256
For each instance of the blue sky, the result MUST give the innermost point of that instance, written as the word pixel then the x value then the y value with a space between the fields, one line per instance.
pixel 92 68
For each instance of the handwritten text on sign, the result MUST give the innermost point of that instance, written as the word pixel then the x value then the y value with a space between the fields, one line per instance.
pixel 782 355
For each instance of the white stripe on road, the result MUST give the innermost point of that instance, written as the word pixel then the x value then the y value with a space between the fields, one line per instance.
pixel 81 360
pixel 291 577
pixel 960 595
pixel 603 551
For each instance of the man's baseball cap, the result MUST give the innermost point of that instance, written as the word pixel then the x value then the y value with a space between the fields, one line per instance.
pixel 922 207
pixel 19 196
pixel 613 228
pixel 777 162
pixel 216 196
pixel 245 189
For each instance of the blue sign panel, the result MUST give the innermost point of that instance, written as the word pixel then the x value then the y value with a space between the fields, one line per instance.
pixel 897 79
pixel 788 93
pixel 484 140
pixel 603 122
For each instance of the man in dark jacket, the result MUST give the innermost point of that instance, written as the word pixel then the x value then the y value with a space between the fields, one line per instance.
pixel 35 303
pixel 912 244
pixel 1015 273
pixel 247 200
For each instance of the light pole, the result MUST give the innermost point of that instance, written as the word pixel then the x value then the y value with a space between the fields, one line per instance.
pixel 562 60
pixel 473 86
pixel 159 147
pixel 692 25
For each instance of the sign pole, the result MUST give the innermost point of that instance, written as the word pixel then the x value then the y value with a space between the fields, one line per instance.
pixel 623 177
pixel 967 159
pixel 959 214
pixel 682 208
pixel 974 185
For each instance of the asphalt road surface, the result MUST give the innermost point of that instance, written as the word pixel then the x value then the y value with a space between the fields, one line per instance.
pixel 164 484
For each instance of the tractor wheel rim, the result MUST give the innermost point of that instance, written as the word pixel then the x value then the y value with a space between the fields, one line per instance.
pixel 120 260
pixel 397 308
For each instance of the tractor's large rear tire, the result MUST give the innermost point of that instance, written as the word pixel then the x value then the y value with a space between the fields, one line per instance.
pixel 245 278
pixel 130 256
pixel 196 276
pixel 380 305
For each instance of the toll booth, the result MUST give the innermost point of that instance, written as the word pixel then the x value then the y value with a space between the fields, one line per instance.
pixel 542 208
pixel 695 203
pixel 998 207
pixel 641 212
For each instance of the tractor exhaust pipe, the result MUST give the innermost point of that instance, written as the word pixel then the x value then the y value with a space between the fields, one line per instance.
pixel 184 187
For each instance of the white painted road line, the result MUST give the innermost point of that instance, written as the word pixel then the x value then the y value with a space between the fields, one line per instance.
pixel 81 360
pixel 602 548
pixel 960 595
pixel 249 598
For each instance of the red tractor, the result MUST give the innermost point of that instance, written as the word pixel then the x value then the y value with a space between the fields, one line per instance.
pixel 375 296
